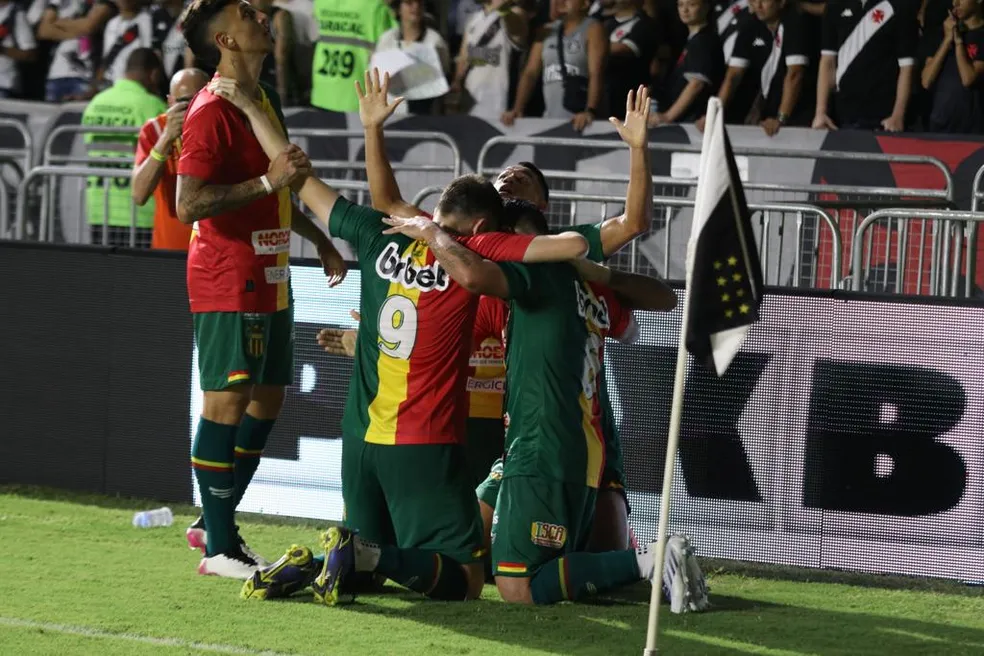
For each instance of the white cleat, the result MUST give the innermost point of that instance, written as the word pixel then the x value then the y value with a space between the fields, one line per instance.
pixel 646 560
pixel 230 565
pixel 683 580
pixel 260 561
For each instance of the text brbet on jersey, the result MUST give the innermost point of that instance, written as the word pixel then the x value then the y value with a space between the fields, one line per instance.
pixel 390 265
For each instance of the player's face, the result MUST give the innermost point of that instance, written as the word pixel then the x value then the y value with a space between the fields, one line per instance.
pixel 248 29
pixel 691 12
pixel 519 182
pixel 766 10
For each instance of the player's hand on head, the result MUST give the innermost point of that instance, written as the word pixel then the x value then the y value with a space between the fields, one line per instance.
pixel 374 104
pixel 418 227
pixel 634 130
pixel 338 341
pixel 227 88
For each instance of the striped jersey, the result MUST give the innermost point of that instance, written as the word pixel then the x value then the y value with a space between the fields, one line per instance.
pixel 237 261
pixel 411 355
pixel 556 415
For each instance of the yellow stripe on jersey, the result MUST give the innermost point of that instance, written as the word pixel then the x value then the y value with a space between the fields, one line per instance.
pixel 594 442
pixel 286 212
pixel 397 332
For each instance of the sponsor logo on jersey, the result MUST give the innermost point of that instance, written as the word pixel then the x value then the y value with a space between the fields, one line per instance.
pixel 390 265
pixel 269 242
pixel 489 385
pixel 488 355
pixel 276 275
pixel 552 536
pixel 593 310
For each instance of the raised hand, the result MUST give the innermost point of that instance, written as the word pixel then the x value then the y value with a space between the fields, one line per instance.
pixel 635 129
pixel 374 104
pixel 227 88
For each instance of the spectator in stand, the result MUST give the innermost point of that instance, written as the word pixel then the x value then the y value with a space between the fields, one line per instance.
pixel 729 16
pixel 130 102
pixel 750 48
pixel 130 29
pixel 155 169
pixel 482 67
pixel 459 15
pixel 776 44
pixel 16 45
pixel 868 51
pixel 699 69
pixel 955 74
pixel 167 39
pixel 278 68
pixel 633 40
pixel 571 55
pixel 76 25
pixel 413 30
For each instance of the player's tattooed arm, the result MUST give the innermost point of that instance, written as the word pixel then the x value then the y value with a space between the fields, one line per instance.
pixel 634 291
pixel 197 200
pixel 466 267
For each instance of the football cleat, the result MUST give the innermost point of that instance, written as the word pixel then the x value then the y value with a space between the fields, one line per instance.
pixel 198 539
pixel 232 564
pixel 294 571
pixel 339 562
pixel 683 580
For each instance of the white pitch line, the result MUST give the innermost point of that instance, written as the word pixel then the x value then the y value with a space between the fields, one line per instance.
pixel 134 637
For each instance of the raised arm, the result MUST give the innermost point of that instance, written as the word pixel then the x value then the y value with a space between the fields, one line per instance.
pixel 374 109
pixel 152 154
pixel 637 219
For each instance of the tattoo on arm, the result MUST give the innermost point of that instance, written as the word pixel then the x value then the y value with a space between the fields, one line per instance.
pixel 466 267
pixel 197 200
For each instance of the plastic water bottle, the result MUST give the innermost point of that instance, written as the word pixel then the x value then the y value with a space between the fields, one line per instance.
pixel 153 518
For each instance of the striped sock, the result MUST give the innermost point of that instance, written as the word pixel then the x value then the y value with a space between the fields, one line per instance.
pixel 426 572
pixel 251 438
pixel 212 460
pixel 572 576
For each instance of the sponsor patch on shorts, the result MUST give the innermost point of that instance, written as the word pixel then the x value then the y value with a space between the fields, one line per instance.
pixel 489 385
pixel 552 536
pixel 276 275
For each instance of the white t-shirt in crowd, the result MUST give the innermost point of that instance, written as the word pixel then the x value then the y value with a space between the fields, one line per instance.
pixel 390 40
pixel 73 57
pixel 14 33
pixel 488 48
pixel 122 37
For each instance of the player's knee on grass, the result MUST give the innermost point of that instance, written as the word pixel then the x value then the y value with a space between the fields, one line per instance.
pixel 514 589
pixel 227 406
pixel 266 401
pixel 610 530
pixel 475 576
pixel 487 514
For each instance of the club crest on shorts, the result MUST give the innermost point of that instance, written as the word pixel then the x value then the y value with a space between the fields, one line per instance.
pixel 254 341
pixel 552 536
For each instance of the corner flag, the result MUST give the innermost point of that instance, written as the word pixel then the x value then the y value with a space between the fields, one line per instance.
pixel 725 281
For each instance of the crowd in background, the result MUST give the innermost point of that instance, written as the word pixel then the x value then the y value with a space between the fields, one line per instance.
pixel 870 64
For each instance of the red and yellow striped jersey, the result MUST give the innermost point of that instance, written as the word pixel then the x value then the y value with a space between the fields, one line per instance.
pixel 411 360
pixel 487 366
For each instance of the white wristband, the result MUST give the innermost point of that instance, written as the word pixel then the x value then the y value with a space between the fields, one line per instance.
pixel 266 184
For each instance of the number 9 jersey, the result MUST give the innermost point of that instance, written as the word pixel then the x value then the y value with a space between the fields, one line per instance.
pixel 411 357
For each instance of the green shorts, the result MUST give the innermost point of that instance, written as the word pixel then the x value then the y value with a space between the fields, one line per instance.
pixel 486 442
pixel 488 490
pixel 413 496
pixel 537 520
pixel 245 347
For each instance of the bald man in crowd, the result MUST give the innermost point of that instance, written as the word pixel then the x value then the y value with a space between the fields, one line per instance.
pixel 155 169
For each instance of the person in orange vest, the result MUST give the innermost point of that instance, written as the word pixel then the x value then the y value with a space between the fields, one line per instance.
pixel 155 169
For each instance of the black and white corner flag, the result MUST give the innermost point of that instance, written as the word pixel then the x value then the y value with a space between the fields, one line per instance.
pixel 724 272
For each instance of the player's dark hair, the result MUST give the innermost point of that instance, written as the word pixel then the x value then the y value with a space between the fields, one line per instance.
pixel 195 24
pixel 516 210
pixel 472 197
pixel 142 60
pixel 538 174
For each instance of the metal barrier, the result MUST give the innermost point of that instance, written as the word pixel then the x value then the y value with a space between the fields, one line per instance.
pixel 25 154
pixel 937 250
pixel 454 168
pixel 48 156
pixel 806 269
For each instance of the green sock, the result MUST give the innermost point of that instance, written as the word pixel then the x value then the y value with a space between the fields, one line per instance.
pixel 577 574
pixel 426 572
pixel 250 440
pixel 212 460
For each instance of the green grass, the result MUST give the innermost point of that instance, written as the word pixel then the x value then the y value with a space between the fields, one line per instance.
pixel 78 579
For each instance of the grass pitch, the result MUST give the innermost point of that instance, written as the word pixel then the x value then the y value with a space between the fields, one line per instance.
pixel 79 579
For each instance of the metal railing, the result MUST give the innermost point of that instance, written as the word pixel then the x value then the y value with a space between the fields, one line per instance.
pixel 938 245
pixel 454 167
pixel 791 263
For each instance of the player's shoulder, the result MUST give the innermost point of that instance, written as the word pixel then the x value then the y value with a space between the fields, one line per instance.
pixel 206 105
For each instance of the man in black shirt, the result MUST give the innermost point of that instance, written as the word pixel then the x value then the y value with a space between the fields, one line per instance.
pixel 633 39
pixel 868 53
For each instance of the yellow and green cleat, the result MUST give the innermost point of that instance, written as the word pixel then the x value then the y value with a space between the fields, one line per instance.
pixel 292 572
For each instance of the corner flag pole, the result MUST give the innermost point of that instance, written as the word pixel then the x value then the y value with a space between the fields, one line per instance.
pixel 676 412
